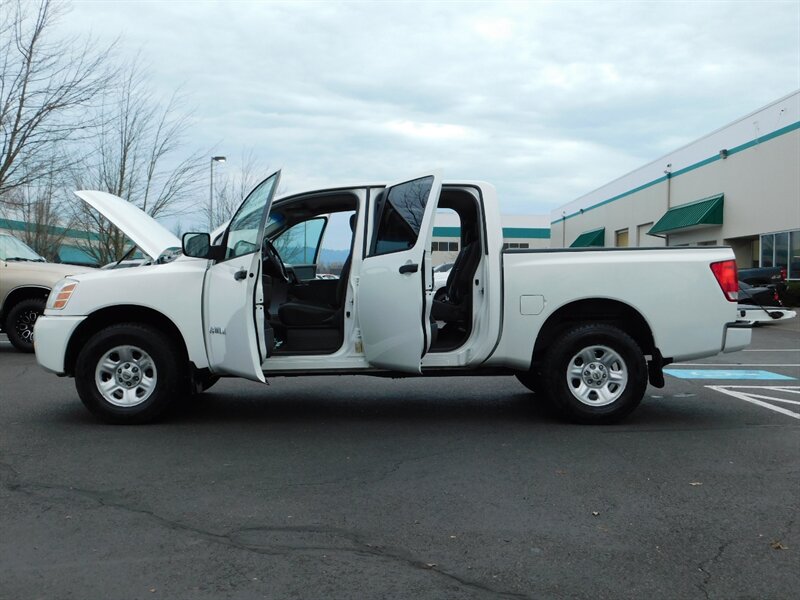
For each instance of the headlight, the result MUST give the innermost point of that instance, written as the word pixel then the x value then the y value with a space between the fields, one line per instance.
pixel 60 294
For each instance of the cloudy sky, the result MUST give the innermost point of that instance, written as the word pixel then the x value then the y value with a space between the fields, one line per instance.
pixel 545 100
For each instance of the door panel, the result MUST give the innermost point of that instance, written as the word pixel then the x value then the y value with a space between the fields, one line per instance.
pixel 233 297
pixel 392 307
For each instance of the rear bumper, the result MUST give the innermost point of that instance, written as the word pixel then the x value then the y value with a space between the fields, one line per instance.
pixel 51 336
pixel 736 337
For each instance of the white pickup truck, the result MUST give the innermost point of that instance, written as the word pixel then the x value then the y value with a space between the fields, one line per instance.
pixel 583 328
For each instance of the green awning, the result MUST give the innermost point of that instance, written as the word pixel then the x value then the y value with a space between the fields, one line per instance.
pixel 701 213
pixel 595 237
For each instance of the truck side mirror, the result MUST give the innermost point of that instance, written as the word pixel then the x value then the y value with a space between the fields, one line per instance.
pixel 196 245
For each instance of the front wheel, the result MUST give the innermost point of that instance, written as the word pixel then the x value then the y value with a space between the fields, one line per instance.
pixel 21 319
pixel 128 374
pixel 595 373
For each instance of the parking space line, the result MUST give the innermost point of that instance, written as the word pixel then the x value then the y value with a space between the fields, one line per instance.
pixel 738 374
pixel 757 399
pixel 734 365
pixel 784 400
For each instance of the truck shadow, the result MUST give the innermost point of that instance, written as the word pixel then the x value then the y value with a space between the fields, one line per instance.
pixel 211 408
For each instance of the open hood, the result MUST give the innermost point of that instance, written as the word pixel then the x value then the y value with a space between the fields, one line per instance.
pixel 147 233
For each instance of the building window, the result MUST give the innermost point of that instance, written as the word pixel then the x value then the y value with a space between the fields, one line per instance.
pixel 434 246
pixel 621 238
pixel 708 243
pixel 782 250
pixel 452 246
pixel 524 245
pixel 767 250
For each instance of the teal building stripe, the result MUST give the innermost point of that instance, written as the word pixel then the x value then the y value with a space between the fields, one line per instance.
pixel 538 233
pixel 697 165
pixel 14 225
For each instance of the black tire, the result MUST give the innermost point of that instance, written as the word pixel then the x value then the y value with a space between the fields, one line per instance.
pixel 20 321
pixel 615 355
pixel 139 349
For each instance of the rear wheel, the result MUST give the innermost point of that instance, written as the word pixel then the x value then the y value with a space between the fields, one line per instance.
pixel 20 321
pixel 595 373
pixel 129 373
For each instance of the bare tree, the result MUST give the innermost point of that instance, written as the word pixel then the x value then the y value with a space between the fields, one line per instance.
pixel 138 157
pixel 45 228
pixel 231 189
pixel 45 88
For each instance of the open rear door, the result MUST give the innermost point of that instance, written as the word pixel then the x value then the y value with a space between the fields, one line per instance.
pixel 392 311
pixel 233 295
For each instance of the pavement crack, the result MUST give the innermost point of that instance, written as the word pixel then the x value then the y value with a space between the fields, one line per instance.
pixel 252 539
pixel 354 543
pixel 704 566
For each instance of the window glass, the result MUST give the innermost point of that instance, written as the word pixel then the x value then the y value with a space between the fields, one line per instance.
pixel 242 235
pixel 767 245
pixel 621 238
pixel 452 246
pixel 524 245
pixel 782 249
pixel 298 245
pixel 434 246
pixel 401 216
pixel 336 243
pixel 13 249
pixel 794 256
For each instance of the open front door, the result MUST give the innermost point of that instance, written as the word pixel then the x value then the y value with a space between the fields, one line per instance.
pixel 392 311
pixel 233 296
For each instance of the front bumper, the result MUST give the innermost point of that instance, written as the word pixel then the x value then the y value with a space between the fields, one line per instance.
pixel 51 336
pixel 736 337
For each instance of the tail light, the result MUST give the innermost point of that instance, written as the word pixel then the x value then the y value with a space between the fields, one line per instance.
pixel 783 273
pixel 727 278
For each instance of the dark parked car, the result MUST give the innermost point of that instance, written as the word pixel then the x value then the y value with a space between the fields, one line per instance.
pixel 766 295
pixel 769 276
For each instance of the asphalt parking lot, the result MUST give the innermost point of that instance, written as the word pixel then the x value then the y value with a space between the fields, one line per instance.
pixel 369 488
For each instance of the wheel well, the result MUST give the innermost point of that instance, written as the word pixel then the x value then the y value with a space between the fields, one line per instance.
pixel 597 310
pixel 18 295
pixel 120 314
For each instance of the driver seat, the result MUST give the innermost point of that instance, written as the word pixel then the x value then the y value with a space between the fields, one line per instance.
pixel 303 313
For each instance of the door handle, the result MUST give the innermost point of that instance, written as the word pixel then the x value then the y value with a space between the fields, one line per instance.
pixel 240 274
pixel 409 268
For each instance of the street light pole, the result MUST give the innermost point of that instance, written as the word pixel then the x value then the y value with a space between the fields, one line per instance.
pixel 214 159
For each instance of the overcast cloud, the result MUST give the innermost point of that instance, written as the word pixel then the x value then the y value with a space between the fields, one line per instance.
pixel 545 100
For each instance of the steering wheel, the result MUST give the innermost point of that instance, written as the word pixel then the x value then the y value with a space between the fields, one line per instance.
pixel 270 255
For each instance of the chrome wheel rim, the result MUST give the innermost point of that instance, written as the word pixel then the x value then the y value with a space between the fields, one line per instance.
pixel 25 323
pixel 597 376
pixel 126 376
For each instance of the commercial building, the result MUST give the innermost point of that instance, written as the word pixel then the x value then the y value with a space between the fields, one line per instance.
pixel 737 186
pixel 519 231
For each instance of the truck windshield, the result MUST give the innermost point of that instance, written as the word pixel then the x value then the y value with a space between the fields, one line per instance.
pixel 12 249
